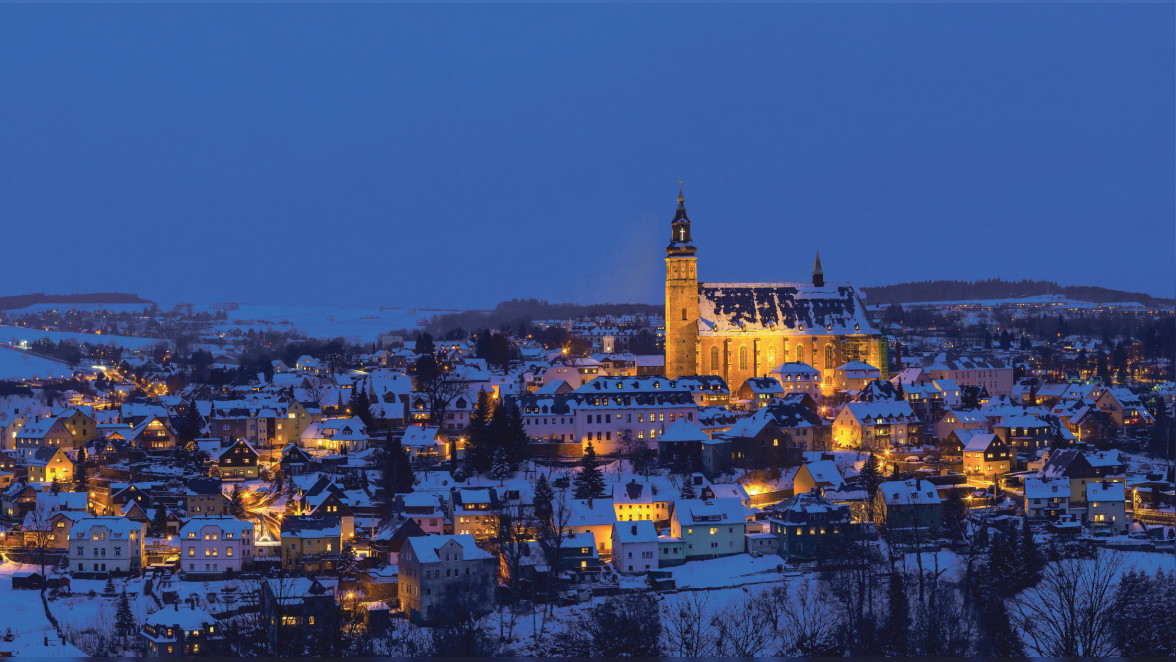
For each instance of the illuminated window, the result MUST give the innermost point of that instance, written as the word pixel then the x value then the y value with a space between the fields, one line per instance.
pixel 714 356
pixel 743 358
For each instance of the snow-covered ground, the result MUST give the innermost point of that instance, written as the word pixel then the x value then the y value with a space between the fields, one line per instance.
pixel 362 324
pixel 728 571
pixel 16 364
pixel 14 335
pixel 22 612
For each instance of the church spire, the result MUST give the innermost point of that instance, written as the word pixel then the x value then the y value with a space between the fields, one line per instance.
pixel 680 214
pixel 818 273
pixel 680 240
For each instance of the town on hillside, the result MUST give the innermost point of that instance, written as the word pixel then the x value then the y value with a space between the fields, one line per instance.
pixel 758 469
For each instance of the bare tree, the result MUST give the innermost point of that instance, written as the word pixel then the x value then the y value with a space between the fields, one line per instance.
pixel 513 528
pixel 809 625
pixel 742 631
pixel 1069 612
pixel 38 538
pixel 686 624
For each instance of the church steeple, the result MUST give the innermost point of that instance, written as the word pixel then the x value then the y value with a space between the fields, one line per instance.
pixel 680 240
pixel 818 273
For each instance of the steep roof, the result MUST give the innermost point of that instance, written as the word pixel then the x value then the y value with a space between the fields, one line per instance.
pixel 781 307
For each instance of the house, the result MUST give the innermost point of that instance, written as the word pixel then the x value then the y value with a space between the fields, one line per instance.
pixel 796 377
pixel 335 436
pixel 681 444
pixel 102 545
pixel 595 516
pixel 1046 498
pixel 18 499
pixel 153 433
pixel 215 545
pixel 299 614
pixel 971 370
pixel 1073 465
pixel 817 477
pixel 911 505
pixel 179 631
pixel 311 543
pixel 442 577
pixel 986 456
pixel 425 444
pixel 959 420
pixel 709 528
pixel 80 423
pixel 203 497
pixel 1106 506
pixel 634 546
pixel 473 511
pixel 10 424
pixel 854 375
pixel 634 501
pixel 48 464
pixel 238 462
pixel 708 390
pixel 759 391
pixel 43 432
pixel 425 509
pixel 809 526
pixel 1125 408
pixel 881 425
pixel 295 461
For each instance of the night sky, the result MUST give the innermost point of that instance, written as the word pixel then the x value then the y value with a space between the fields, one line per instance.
pixel 461 155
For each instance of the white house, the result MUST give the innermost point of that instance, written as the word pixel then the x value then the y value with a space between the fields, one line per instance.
pixel 634 546
pixel 1106 505
pixel 215 545
pixel 709 528
pixel 1048 498
pixel 106 544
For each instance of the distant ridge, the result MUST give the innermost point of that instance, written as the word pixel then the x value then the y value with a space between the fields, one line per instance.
pixel 23 300
pixel 997 288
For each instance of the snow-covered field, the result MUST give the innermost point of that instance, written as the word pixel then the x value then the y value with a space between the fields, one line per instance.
pixel 16 364
pixel 362 324
pixel 14 335
pixel 22 612
pixel 728 571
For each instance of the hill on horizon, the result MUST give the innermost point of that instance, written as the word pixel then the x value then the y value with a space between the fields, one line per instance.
pixel 998 288
pixel 16 301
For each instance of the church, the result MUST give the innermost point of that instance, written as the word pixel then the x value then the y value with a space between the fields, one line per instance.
pixel 743 330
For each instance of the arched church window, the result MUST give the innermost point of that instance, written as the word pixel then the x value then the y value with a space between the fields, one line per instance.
pixel 714 358
pixel 684 318
pixel 800 354
pixel 743 358
pixel 772 356
pixel 828 362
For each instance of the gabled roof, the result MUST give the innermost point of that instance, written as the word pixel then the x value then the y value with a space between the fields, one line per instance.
pixel 426 547
pixel 781 307
pixel 980 442
pixel 909 492
pixel 634 532
pixel 683 430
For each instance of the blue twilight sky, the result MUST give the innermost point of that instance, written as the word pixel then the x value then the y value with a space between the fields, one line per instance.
pixel 459 155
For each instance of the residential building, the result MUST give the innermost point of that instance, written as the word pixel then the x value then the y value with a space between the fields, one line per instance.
pixel 808 526
pixel 634 546
pixel 882 425
pixel 709 528
pixel 215 545
pixel 181 631
pixel 102 545
pixel 442 577
pixel 986 456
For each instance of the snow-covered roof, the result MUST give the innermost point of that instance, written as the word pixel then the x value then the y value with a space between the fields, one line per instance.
pixel 1105 492
pixel 912 492
pixel 683 430
pixel 1044 488
pixel 781 307
pixel 635 532
pixel 426 547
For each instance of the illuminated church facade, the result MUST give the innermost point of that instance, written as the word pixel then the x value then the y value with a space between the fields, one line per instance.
pixel 743 330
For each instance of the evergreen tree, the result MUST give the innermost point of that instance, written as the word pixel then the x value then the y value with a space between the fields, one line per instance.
pixel 191 425
pixel 896 630
pixel 519 442
pixel 361 404
pixel 871 477
pixel 501 469
pixel 237 503
pixel 396 475
pixel 687 489
pixel 123 619
pixel 589 482
pixel 81 478
pixel 159 521
pixel 424 344
pixel 109 588
pixel 348 561
pixel 479 449
pixel 543 498
pixel 1031 559
pixel 56 486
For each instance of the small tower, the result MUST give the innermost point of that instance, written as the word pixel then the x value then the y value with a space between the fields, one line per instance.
pixel 818 273
pixel 681 296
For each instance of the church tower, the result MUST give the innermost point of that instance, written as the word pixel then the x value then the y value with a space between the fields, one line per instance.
pixel 681 297
pixel 818 272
